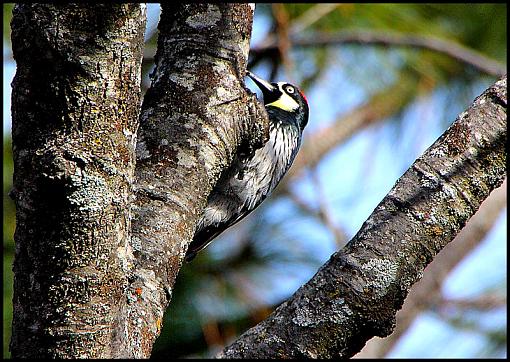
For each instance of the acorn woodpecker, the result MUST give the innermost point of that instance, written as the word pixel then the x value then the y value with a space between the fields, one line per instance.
pixel 248 181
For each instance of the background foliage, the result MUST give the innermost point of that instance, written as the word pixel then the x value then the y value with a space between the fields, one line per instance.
pixel 406 96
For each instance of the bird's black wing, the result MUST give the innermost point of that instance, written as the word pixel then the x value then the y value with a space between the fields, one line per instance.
pixel 203 237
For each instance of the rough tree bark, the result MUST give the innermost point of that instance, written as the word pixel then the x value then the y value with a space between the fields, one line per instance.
pixel 356 294
pixel 427 294
pixel 75 104
pixel 195 117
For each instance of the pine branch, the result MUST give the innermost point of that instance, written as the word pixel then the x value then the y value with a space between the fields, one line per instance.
pixel 366 37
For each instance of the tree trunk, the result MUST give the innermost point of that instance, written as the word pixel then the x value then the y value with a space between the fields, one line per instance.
pixel 75 105
pixel 195 117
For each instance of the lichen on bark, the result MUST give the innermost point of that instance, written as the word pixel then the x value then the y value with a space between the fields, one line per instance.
pixel 195 117
pixel 75 103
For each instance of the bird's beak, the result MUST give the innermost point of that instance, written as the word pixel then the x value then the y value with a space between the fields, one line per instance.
pixel 267 88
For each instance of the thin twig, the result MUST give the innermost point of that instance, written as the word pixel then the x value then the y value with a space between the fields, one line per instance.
pixel 282 30
pixel 324 212
pixel 311 16
pixel 323 215
pixel 388 101
pixel 484 302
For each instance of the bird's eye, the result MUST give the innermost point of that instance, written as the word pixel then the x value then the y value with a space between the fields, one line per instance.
pixel 289 89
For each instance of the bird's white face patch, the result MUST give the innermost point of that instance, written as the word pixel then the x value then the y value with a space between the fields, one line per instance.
pixel 285 102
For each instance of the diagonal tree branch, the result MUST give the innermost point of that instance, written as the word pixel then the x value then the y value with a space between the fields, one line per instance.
pixel 357 293
pixel 427 292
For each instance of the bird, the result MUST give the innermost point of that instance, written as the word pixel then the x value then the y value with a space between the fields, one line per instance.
pixel 251 179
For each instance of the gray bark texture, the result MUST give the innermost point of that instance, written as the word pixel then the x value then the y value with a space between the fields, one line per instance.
pixel 75 105
pixel 356 294
pixel 195 117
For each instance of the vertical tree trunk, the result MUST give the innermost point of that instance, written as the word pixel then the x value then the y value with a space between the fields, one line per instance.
pixel 195 117
pixel 75 106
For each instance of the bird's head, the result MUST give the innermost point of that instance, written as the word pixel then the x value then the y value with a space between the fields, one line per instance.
pixel 284 96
